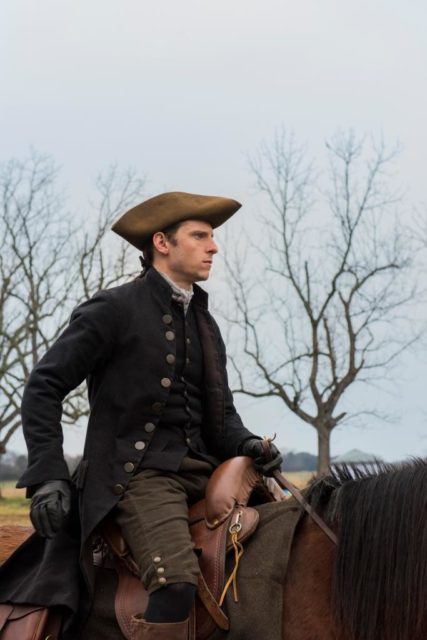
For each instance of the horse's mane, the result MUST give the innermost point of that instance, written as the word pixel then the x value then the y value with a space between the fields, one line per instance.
pixel 380 514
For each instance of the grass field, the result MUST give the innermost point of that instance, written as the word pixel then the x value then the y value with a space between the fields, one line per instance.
pixel 14 506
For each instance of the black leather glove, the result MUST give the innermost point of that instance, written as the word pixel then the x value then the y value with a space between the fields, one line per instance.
pixel 267 457
pixel 50 506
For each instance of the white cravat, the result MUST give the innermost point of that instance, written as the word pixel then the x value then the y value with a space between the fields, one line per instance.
pixel 181 295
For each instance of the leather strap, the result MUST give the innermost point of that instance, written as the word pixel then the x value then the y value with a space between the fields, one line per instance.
pixel 192 624
pixel 211 605
pixel 5 611
pixel 285 484
pixel 131 598
pixel 266 450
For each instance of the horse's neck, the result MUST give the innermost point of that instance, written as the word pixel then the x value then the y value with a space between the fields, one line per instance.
pixel 307 593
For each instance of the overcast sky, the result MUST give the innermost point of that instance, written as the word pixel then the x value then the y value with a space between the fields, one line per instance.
pixel 185 90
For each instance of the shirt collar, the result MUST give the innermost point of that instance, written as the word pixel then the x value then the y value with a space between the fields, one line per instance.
pixel 180 295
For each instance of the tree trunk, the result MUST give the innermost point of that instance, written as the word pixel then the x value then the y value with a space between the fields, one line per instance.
pixel 323 445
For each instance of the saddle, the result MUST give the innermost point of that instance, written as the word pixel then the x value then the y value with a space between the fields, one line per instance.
pixel 219 523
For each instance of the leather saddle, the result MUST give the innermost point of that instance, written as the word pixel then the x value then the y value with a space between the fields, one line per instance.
pixel 220 522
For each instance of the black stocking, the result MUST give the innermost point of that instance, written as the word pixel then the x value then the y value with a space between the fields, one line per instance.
pixel 170 604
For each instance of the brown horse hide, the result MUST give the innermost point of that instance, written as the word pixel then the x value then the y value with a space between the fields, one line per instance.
pixel 11 536
pixel 307 602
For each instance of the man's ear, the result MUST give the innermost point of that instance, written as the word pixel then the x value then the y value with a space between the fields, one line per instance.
pixel 160 243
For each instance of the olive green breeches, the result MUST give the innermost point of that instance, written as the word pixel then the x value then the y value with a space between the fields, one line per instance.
pixel 153 516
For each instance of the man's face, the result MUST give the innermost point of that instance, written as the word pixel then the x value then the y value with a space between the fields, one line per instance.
pixel 188 256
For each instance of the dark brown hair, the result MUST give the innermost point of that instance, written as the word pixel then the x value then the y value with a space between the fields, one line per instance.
pixel 147 257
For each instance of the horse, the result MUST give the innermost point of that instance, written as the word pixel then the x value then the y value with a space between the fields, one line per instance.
pixel 371 586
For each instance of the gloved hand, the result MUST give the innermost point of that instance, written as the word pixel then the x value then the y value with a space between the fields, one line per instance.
pixel 50 506
pixel 266 455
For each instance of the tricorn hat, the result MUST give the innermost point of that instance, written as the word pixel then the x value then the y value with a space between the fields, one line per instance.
pixel 139 224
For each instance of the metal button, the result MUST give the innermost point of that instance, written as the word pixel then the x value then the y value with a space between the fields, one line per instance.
pixel 160 569
pixel 170 335
pixel 157 559
pixel 167 319
pixel 166 382
pixel 188 360
pixel 118 489
pixel 188 440
pixel 188 340
pixel 170 358
pixel 157 407
pixel 149 427
pixel 139 445
pixel 162 580
pixel 129 467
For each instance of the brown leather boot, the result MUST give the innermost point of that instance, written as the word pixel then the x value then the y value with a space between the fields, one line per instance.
pixel 142 630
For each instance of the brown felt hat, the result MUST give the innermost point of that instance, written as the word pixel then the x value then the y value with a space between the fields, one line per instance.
pixel 140 223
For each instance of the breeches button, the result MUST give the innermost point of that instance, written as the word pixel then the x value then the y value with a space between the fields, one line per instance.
pixel 129 467
pixel 149 427
pixel 139 445
pixel 166 382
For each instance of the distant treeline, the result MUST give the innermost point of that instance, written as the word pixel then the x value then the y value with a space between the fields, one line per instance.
pixel 13 465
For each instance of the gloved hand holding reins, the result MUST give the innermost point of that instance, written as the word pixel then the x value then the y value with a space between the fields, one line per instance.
pixel 267 457
pixel 50 506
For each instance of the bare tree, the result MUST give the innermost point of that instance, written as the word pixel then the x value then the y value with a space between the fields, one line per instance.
pixel 317 300
pixel 47 266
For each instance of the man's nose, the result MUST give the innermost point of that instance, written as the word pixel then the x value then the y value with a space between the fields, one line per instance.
pixel 213 247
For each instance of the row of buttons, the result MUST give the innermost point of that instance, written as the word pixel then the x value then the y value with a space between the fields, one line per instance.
pixel 160 570
pixel 129 467
pixel 157 408
pixel 170 335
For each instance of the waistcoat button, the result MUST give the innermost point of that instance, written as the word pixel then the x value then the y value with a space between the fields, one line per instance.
pixel 160 570
pixel 149 427
pixel 157 407
pixel 170 358
pixel 129 467
pixel 170 335
pixel 166 382
pixel 139 445
pixel 162 580
pixel 167 319
pixel 118 489
pixel 156 559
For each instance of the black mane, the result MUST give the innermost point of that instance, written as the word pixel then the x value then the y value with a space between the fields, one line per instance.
pixel 380 514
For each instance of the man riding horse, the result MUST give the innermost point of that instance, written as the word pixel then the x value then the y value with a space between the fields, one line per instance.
pixel 162 415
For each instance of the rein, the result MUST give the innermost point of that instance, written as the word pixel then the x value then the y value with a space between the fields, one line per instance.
pixel 285 484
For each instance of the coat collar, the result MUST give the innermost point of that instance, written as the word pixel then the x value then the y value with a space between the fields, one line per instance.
pixel 163 290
